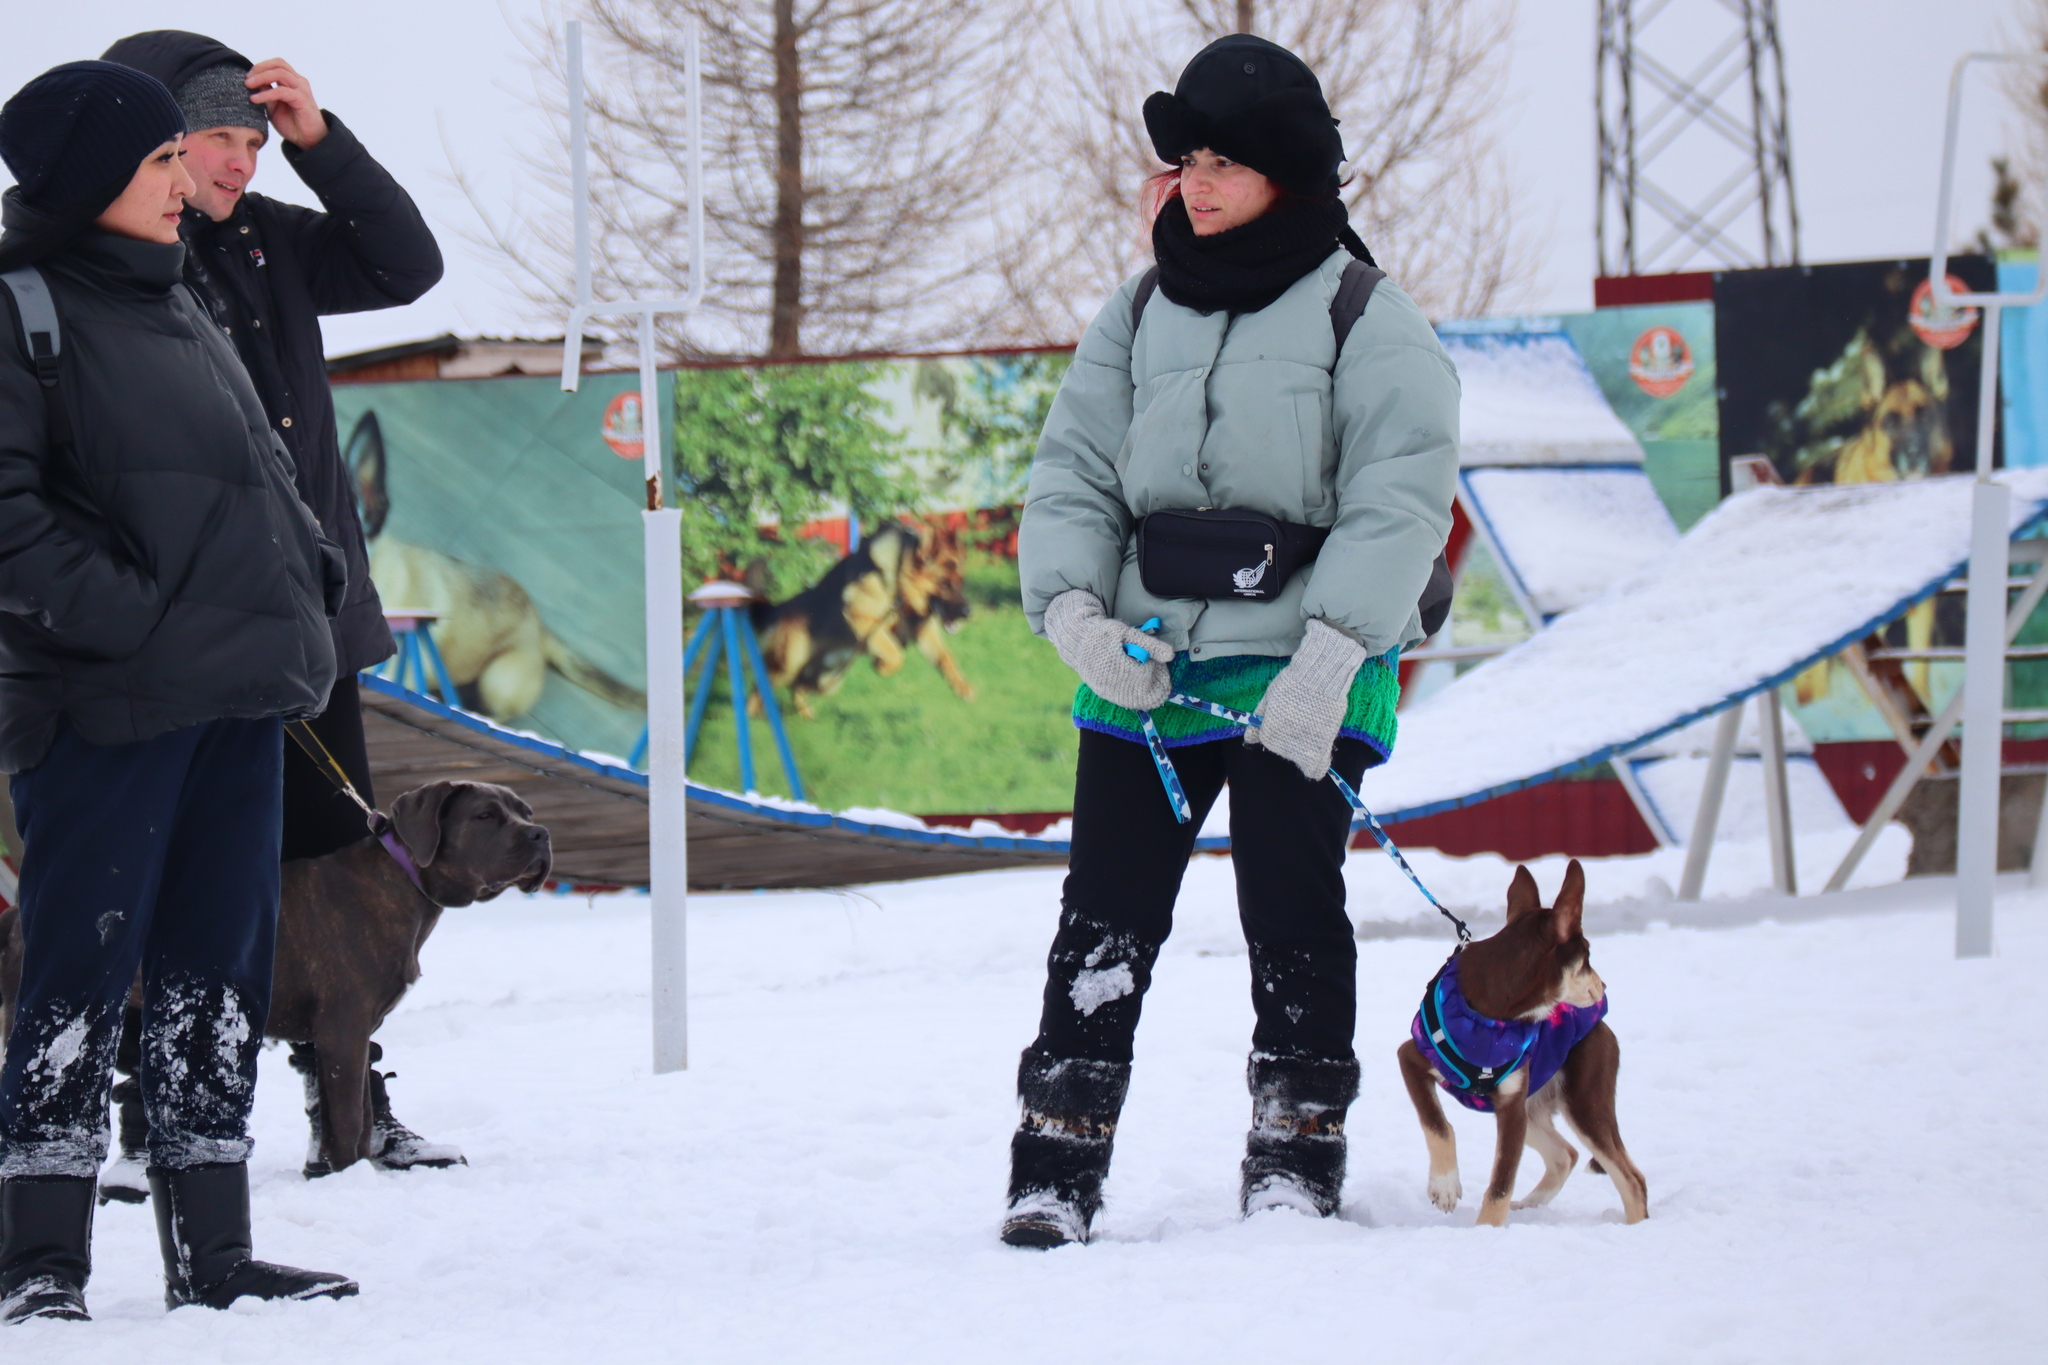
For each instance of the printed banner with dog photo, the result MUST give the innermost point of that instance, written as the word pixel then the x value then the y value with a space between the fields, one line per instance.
pixel 1851 374
pixel 870 504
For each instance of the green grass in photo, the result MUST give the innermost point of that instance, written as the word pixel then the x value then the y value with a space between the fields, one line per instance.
pixel 906 742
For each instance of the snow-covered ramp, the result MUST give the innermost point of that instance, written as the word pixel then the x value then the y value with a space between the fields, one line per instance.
pixel 1771 582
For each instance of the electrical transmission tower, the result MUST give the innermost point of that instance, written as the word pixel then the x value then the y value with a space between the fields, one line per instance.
pixel 1695 160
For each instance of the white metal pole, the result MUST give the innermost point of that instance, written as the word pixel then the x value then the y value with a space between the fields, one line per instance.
pixel 1770 715
pixel 1707 819
pixel 668 847
pixel 579 208
pixel 668 864
pixel 1983 698
pixel 1990 560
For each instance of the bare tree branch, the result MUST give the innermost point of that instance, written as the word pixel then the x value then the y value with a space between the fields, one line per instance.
pixel 2019 193
pixel 847 154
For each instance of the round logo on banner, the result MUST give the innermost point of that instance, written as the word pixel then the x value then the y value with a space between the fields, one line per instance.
pixel 1942 328
pixel 622 428
pixel 1660 362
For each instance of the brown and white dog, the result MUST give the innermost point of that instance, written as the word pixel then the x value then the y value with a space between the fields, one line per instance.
pixel 1535 974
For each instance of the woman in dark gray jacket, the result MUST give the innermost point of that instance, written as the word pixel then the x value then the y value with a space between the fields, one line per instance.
pixel 164 598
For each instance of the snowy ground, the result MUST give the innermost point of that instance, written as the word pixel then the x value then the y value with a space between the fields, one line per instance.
pixel 1839 1123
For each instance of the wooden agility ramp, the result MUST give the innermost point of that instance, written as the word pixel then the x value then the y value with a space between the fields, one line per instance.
pixel 596 811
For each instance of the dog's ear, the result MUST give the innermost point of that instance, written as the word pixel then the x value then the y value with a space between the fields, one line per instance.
pixel 1523 897
pixel 416 816
pixel 365 459
pixel 1570 910
pixel 886 549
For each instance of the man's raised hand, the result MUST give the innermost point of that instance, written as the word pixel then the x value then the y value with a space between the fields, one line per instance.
pixel 288 98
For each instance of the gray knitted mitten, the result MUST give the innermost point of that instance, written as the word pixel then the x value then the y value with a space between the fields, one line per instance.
pixel 1304 706
pixel 1092 642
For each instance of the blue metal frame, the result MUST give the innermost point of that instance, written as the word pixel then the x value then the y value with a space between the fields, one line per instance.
pixel 730 631
pixel 416 650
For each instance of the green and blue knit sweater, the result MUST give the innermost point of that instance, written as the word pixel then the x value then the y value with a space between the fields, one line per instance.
pixel 1239 682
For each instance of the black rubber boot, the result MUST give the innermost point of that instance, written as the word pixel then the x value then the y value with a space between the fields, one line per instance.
pixel 1294 1155
pixel 202 1225
pixel 1061 1151
pixel 393 1146
pixel 45 1247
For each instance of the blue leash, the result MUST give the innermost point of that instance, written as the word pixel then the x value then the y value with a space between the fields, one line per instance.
pixel 1182 812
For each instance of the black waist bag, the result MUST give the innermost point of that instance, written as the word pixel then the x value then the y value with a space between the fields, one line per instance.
pixel 1215 552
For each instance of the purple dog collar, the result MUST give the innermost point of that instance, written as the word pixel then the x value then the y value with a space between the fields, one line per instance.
pixel 402 856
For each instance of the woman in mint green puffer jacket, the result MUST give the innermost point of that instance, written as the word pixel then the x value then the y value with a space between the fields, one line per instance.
pixel 1225 389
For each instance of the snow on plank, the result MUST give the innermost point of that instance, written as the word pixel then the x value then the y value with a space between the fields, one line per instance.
pixel 1528 399
pixel 1566 533
pixel 1771 582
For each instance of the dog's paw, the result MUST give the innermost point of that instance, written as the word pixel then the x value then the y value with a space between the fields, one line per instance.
pixel 1445 1191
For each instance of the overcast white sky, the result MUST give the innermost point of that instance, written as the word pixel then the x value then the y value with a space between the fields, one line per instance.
pixel 424 80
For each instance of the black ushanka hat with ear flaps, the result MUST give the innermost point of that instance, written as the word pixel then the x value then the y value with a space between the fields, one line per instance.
pixel 1257 104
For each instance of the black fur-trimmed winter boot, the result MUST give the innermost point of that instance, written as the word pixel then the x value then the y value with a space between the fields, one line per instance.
pixel 202 1226
pixel 305 1060
pixel 1294 1155
pixel 393 1146
pixel 1061 1151
pixel 45 1247
pixel 125 1179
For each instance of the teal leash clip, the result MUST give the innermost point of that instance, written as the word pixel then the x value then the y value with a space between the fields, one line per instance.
pixel 1176 795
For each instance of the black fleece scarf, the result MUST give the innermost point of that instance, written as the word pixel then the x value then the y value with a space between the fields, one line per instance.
pixel 1245 268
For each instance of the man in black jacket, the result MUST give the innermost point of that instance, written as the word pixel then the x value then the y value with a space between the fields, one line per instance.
pixel 270 271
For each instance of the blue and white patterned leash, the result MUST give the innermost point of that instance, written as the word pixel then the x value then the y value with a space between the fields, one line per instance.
pixel 1182 812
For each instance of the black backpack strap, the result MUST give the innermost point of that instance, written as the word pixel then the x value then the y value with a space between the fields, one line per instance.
pixel 1354 291
pixel 1147 282
pixel 42 341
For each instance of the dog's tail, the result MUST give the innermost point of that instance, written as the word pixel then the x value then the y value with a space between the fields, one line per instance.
pixel 590 677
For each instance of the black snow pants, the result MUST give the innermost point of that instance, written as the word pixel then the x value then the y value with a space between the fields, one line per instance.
pixel 160 855
pixel 1287 842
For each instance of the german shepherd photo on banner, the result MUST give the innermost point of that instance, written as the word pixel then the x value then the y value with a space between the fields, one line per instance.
pixel 1849 373
pixel 906 585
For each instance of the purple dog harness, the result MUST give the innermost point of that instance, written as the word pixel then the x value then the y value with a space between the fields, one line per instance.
pixel 1473 1054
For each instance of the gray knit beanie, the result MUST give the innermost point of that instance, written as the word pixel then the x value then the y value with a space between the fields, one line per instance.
pixel 218 97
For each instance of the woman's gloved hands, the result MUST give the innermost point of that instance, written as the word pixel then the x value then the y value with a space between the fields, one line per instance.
pixel 1091 642
pixel 1304 707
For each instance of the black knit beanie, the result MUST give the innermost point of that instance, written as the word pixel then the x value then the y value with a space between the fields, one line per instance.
pixel 74 135
pixel 1257 104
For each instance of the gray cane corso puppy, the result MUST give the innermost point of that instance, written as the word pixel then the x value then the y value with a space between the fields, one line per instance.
pixel 350 928
pixel 353 923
